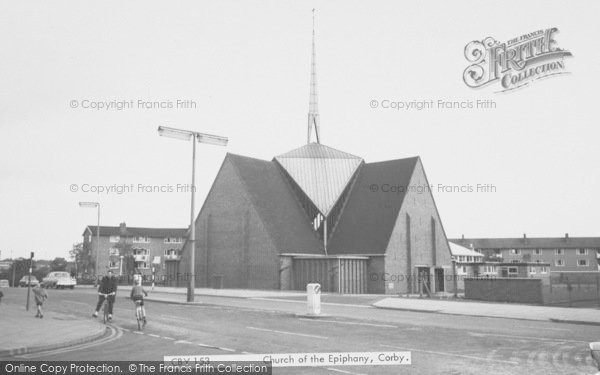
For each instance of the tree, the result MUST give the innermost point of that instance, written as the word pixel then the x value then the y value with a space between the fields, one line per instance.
pixel 41 271
pixel 58 264
pixel 19 268
pixel 80 256
pixel 125 247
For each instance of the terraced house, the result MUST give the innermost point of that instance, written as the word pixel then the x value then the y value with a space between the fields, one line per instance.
pixel 126 250
pixel 564 254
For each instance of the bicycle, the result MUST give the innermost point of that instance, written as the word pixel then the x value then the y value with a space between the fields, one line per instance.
pixel 139 314
pixel 105 306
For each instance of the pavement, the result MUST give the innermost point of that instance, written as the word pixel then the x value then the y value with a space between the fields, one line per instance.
pixel 23 333
pixel 493 310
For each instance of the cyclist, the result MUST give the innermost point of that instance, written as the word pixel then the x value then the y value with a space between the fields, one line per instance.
pixel 137 294
pixel 108 286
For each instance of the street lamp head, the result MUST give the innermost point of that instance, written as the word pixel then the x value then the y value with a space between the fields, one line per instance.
pixel 184 135
pixel 89 204
pixel 212 139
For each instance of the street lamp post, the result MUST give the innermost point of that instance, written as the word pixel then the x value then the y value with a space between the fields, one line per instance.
pixel 455 282
pixel 95 205
pixel 186 135
pixel 120 265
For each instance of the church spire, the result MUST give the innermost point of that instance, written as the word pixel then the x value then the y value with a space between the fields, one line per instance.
pixel 313 106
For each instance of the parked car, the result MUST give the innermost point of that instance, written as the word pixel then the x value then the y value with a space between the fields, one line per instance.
pixel 4 283
pixel 59 280
pixel 25 279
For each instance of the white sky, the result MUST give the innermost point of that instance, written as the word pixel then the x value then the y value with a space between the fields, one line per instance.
pixel 246 65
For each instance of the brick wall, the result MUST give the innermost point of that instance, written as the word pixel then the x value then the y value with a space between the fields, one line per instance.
pixel 231 239
pixel 505 290
pixel 418 210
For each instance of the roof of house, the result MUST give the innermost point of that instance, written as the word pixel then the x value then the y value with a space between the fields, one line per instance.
pixel 459 250
pixel 138 232
pixel 529 243
pixel 369 215
pixel 278 208
pixel 321 172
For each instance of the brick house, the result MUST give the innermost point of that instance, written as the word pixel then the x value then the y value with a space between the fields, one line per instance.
pixel 123 249
pixel 316 214
pixel 563 254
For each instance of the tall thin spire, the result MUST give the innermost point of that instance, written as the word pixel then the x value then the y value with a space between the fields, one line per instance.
pixel 313 106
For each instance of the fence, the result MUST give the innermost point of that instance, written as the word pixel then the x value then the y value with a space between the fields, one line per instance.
pixel 573 289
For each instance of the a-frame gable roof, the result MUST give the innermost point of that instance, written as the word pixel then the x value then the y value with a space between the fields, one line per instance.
pixel 276 205
pixel 369 215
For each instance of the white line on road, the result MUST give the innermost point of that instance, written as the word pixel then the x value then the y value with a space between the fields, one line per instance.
pixel 226 349
pixel 351 323
pixel 138 332
pixel 153 335
pixel 183 342
pixel 525 337
pixel 288 333
pixel 451 354
pixel 114 334
pixel 168 338
pixel 343 371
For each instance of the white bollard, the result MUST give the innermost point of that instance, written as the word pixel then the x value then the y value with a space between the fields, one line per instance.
pixel 313 296
pixel 595 352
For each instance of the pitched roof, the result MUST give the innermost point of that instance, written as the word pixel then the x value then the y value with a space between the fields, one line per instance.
pixel 138 231
pixel 368 219
pixel 530 243
pixel 276 205
pixel 459 250
pixel 321 172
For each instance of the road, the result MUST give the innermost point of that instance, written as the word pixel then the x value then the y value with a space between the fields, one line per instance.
pixel 440 344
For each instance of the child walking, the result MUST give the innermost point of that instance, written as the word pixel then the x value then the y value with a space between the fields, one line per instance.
pixel 40 296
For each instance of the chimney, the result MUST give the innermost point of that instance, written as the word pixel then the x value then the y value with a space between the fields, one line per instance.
pixel 566 237
pixel 525 238
pixel 123 228
pixel 463 237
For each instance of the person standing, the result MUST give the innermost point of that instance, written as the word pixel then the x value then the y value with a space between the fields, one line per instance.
pixel 40 296
pixel 108 290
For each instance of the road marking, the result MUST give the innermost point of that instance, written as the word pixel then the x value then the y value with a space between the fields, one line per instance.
pixel 183 342
pixel 168 338
pixel 344 371
pixel 217 347
pixel 138 332
pixel 524 337
pixel 115 334
pixel 351 323
pixel 452 354
pixel 247 353
pixel 288 333
pixel 153 335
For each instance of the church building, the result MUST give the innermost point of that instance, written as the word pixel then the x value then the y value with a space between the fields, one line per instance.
pixel 317 214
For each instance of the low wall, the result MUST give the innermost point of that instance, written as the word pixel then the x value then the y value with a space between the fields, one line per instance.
pixel 521 290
